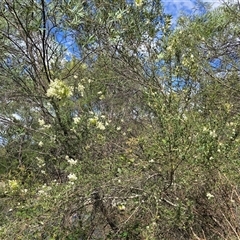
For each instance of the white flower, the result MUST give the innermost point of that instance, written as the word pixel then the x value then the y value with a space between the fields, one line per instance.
pixel 41 192
pixel 72 177
pixel 213 134
pixel 40 144
pixel 47 126
pixel 138 3
pixel 40 162
pixel 93 121
pixel 119 16
pixel 58 89
pixel 100 126
pixel 84 66
pixel 53 138
pixel 71 161
pixel 209 195
pixel 24 190
pixel 41 122
pixel 81 88
pixel 118 128
pixel 121 207
pixel 13 184
pixel 102 97
pixel 169 48
pixel 76 120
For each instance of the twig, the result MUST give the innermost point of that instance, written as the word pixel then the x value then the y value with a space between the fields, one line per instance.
pixel 231 226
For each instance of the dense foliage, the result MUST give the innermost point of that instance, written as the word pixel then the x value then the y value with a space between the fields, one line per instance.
pixel 116 123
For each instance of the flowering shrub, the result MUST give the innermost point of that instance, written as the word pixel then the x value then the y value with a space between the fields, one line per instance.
pixel 137 135
pixel 58 89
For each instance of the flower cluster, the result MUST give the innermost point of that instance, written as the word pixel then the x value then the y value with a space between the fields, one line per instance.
pixel 71 161
pixel 13 184
pixel 42 123
pixel 94 121
pixel 81 88
pixel 139 3
pixel 72 177
pixel 58 89
pixel 40 162
pixel 101 95
pixel 76 120
pixel 100 126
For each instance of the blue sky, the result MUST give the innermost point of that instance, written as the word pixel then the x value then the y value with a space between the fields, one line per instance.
pixel 172 7
pixel 176 7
